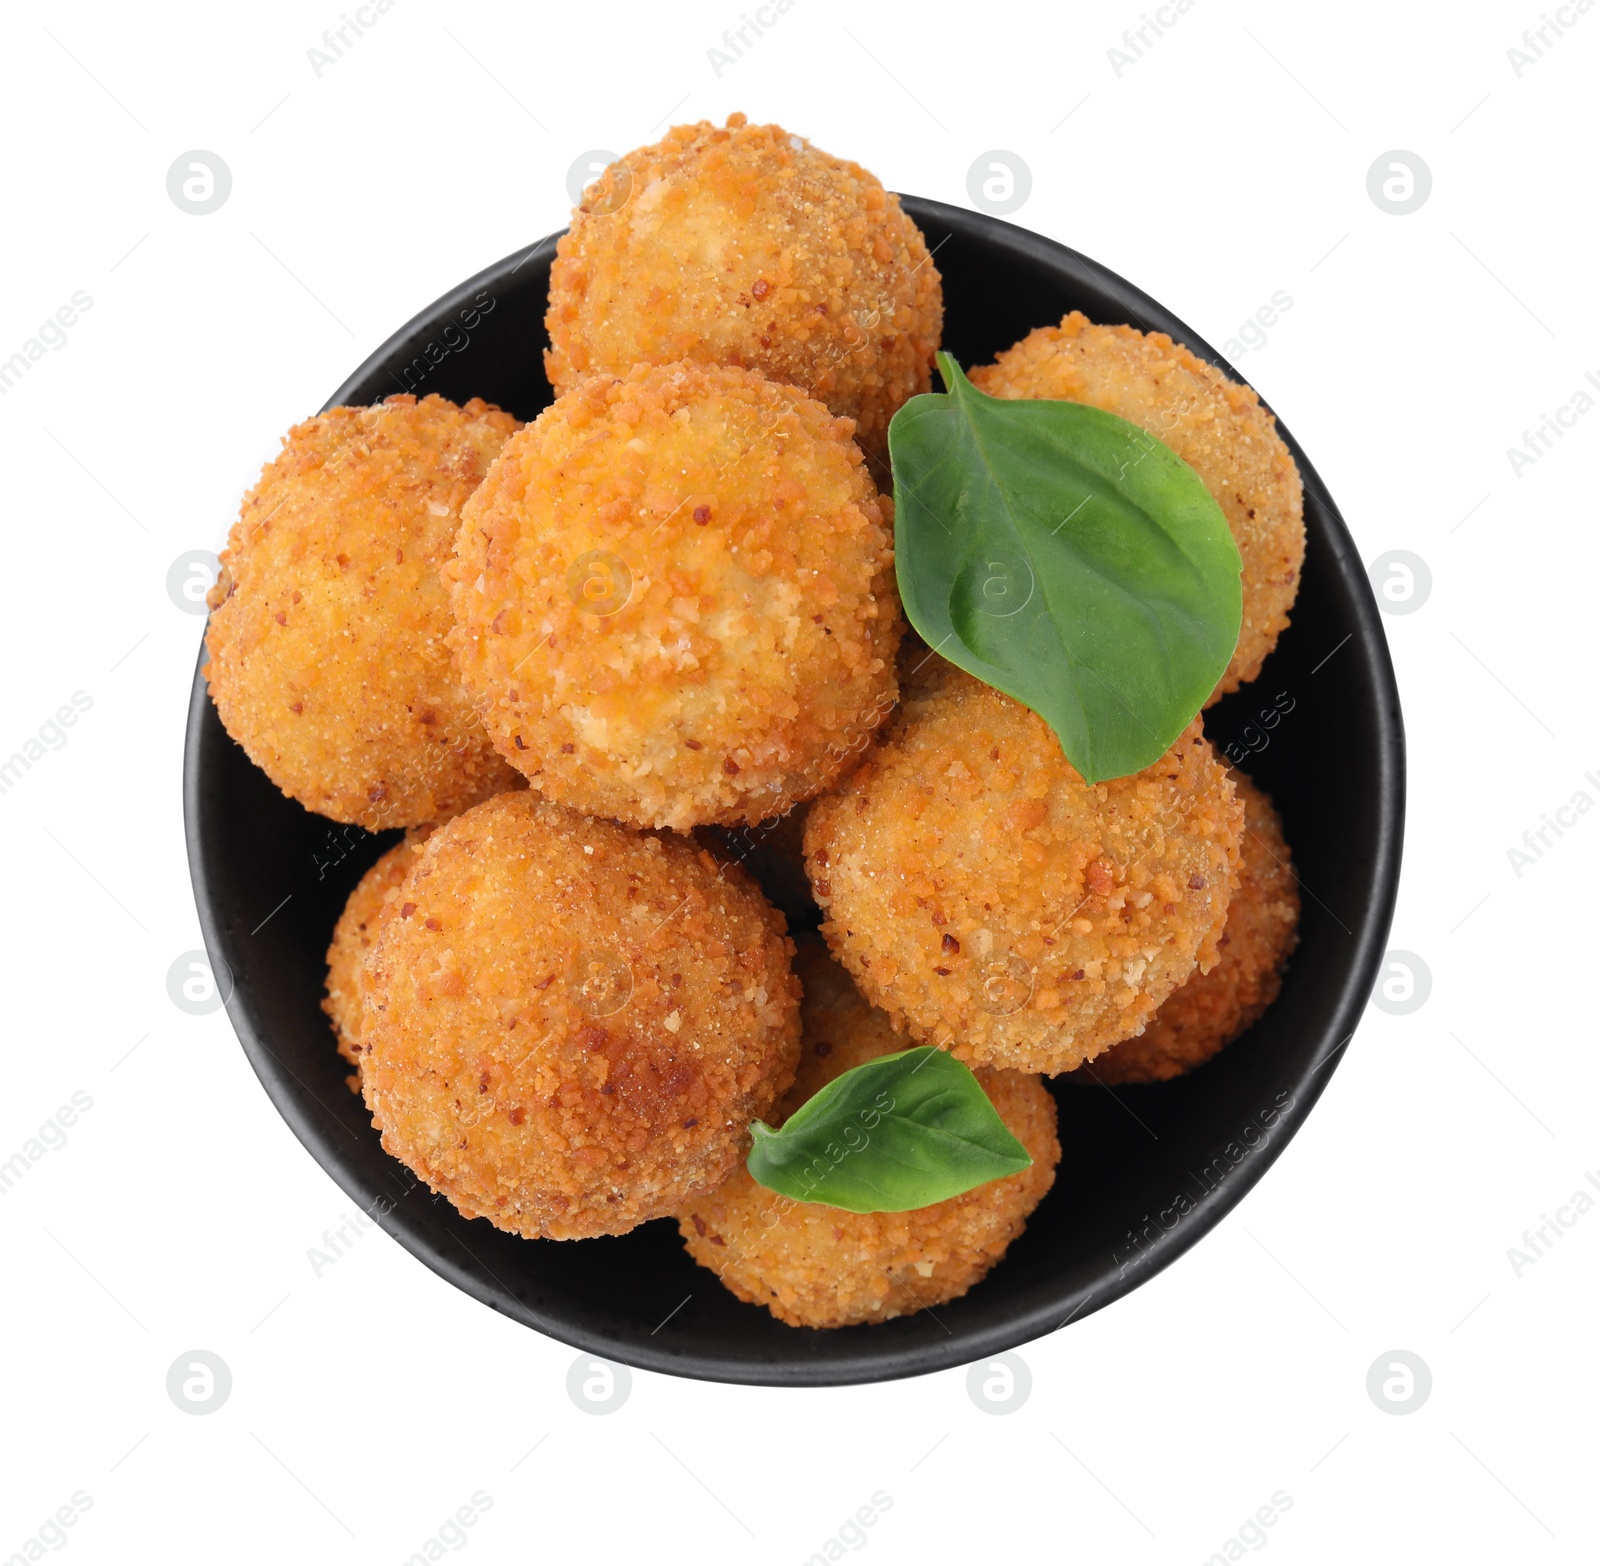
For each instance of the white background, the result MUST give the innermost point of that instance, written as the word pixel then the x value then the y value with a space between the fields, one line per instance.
pixel 1228 163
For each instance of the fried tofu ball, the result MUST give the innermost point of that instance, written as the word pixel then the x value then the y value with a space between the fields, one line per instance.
pixel 327 656
pixel 571 1025
pixel 674 598
pixel 1213 1009
pixel 749 246
pixel 997 905
pixel 1216 425
pixel 818 1266
pixel 369 907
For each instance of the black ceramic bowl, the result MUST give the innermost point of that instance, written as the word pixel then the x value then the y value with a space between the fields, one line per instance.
pixel 1146 1171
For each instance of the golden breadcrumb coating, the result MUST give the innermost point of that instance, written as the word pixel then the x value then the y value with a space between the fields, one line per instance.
pixel 1217 426
pixel 997 905
pixel 748 246
pixel 675 600
pixel 570 1025
pixel 368 909
pixel 1213 1009
pixel 327 655
pixel 818 1266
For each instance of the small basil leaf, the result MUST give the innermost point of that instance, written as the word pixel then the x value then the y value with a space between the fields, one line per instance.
pixel 900 1132
pixel 1068 558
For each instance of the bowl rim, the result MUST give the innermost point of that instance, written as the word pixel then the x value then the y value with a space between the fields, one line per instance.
pixel 896 1360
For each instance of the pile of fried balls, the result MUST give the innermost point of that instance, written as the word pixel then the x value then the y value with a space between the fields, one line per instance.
pixel 634 680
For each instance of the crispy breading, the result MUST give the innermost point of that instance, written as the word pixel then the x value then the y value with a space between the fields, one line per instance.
pixel 674 597
pixel 1216 425
pixel 368 908
pixel 746 245
pixel 1213 1009
pixel 997 905
pixel 818 1266
pixel 570 1025
pixel 327 655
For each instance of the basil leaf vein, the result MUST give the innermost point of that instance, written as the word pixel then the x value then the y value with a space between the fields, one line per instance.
pixel 894 1134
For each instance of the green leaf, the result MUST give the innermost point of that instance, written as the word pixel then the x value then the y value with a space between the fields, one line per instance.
pixel 1068 558
pixel 900 1132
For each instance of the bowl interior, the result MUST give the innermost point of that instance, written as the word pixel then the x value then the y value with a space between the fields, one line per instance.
pixel 1145 1171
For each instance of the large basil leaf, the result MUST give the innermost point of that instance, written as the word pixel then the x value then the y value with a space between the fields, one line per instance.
pixel 1068 558
pixel 899 1132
